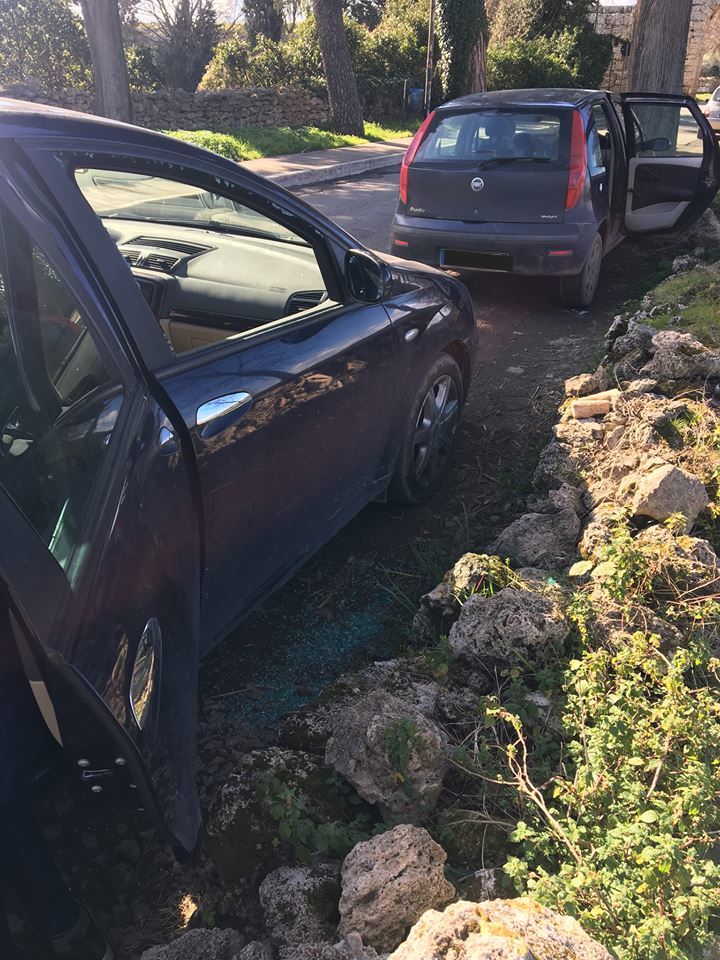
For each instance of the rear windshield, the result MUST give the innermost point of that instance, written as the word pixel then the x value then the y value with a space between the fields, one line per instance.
pixel 498 134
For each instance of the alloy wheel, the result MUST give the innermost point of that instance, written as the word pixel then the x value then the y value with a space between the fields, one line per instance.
pixel 435 430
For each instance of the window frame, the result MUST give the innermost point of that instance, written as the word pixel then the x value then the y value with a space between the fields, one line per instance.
pixel 56 159
pixel 48 235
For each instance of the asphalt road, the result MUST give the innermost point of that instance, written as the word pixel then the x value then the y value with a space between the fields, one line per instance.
pixel 354 600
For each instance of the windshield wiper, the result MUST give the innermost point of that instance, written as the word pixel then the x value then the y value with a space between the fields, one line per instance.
pixel 485 163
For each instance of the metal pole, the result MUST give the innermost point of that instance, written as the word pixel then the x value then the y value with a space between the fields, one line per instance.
pixel 429 62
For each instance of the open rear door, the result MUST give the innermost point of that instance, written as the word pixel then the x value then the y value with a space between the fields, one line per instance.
pixel 673 163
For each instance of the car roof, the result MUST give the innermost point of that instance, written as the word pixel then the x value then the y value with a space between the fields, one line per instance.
pixel 550 97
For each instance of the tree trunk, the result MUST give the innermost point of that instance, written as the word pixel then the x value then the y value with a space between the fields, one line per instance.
pixel 477 67
pixel 345 108
pixel 112 92
pixel 659 46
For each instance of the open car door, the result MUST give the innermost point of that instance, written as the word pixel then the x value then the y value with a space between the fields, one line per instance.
pixel 673 163
pixel 99 557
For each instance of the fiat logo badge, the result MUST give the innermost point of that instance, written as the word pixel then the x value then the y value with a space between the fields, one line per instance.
pixel 477 183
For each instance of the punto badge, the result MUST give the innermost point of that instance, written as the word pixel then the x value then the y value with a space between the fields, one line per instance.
pixel 477 183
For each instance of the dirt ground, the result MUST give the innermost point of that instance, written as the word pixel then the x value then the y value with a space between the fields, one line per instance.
pixel 354 600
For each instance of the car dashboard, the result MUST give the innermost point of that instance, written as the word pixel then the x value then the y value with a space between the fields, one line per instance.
pixel 206 285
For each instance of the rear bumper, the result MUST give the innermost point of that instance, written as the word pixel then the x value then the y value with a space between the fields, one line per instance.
pixel 525 248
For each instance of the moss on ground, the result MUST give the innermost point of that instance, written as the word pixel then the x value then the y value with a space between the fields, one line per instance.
pixel 694 297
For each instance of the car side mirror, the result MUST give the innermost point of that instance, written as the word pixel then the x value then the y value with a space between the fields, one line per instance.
pixel 367 277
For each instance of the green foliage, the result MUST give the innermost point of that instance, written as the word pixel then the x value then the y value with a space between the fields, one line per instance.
pixel 251 143
pixel 43 40
pixel 460 25
pixel 382 58
pixel 572 58
pixel 623 838
pixel 142 71
pixel 299 827
pixel 367 12
pixel 526 19
pixel 401 740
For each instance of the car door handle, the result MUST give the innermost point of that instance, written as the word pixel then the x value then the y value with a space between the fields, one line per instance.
pixel 213 416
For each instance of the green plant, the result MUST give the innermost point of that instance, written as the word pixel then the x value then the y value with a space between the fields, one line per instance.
pixel 142 72
pixel 301 828
pixel 461 25
pixel 402 739
pixel 622 837
pixel 574 57
pixel 44 41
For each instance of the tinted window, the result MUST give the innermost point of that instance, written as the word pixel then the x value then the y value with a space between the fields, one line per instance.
pixel 58 405
pixel 600 145
pixel 484 134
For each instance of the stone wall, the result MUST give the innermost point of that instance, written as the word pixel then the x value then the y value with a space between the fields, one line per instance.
pixel 618 21
pixel 204 110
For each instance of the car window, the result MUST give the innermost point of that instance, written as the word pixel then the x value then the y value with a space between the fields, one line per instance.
pixel 211 268
pixel 496 134
pixel 58 400
pixel 600 144
pixel 665 130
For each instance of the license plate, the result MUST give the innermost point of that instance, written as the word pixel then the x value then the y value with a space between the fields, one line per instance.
pixel 475 260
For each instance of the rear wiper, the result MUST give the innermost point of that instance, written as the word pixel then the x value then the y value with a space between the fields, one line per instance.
pixel 485 163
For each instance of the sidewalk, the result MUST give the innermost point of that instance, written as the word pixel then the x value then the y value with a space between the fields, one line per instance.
pixel 303 169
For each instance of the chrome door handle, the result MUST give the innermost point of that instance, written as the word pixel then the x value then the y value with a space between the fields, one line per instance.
pixel 411 334
pixel 167 442
pixel 213 416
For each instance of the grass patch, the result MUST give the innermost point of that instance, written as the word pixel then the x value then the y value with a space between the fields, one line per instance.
pixel 697 293
pixel 252 143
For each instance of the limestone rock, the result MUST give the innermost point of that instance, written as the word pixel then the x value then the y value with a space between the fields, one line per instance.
pixel 638 337
pixel 498 930
pixel 586 383
pixel 256 950
pixel 509 625
pixel 667 490
pixel 310 727
pixel 596 405
pixel 556 465
pixel 392 754
pixel 683 263
pixel 242 835
pixel 679 356
pixel 200 945
pixel 540 539
pixel 389 882
pixel 300 905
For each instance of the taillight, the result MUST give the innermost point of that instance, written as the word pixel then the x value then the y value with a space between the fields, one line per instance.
pixel 410 154
pixel 578 162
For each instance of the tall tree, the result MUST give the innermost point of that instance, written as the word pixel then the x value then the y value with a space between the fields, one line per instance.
pixel 263 18
pixel 185 34
pixel 112 90
pixel 461 29
pixel 343 96
pixel 659 45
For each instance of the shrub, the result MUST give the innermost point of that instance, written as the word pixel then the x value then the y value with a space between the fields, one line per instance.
pixel 526 63
pixel 575 57
pixel 142 72
pixel 43 40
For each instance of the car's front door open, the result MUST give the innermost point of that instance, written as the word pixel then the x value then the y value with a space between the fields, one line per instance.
pixel 99 558
pixel 673 163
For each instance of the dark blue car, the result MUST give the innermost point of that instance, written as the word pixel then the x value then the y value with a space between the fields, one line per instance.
pixel 546 182
pixel 201 380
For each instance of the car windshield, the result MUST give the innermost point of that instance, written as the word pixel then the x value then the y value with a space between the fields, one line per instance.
pixel 121 195
pixel 500 135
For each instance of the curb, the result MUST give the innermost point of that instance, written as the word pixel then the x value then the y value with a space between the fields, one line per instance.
pixel 337 171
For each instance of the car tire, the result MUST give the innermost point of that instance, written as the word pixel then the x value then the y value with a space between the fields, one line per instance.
pixel 578 290
pixel 428 434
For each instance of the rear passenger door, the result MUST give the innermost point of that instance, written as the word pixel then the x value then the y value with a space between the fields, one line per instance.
pixel 673 163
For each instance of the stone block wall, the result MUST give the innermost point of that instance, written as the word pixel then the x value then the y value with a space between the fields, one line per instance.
pixel 203 110
pixel 618 20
